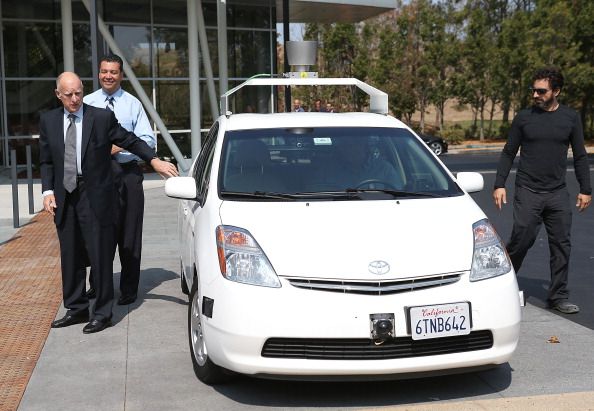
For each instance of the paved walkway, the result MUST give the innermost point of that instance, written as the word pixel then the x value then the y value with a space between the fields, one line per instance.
pixel 30 294
pixel 143 362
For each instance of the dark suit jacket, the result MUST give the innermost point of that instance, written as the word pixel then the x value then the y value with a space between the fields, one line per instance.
pixel 100 130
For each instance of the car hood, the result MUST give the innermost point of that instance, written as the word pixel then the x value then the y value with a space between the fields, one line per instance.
pixel 416 237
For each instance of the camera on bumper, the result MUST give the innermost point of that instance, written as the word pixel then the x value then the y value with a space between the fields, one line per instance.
pixel 382 327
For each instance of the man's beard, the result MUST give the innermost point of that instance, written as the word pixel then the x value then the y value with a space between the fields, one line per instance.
pixel 544 104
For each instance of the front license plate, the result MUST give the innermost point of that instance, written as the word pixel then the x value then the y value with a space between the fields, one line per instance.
pixel 443 320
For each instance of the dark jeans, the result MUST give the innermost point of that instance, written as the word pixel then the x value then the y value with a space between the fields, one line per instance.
pixel 554 210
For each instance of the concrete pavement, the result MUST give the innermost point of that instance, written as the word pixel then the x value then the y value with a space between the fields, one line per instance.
pixel 143 361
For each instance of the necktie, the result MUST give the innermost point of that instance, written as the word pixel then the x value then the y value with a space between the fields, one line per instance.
pixel 70 156
pixel 109 105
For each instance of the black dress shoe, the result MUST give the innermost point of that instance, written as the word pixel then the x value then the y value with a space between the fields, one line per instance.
pixel 91 293
pixel 71 319
pixel 97 325
pixel 126 299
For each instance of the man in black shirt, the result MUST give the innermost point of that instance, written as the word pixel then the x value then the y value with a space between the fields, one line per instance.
pixel 545 132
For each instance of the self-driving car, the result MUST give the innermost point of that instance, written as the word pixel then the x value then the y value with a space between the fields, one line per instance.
pixel 304 248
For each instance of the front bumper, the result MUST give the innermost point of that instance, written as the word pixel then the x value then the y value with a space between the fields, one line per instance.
pixel 245 317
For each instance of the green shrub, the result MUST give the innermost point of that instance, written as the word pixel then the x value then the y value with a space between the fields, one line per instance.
pixel 471 133
pixel 454 134
pixel 504 130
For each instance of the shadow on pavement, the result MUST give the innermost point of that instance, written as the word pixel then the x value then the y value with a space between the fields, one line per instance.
pixel 150 279
pixel 252 391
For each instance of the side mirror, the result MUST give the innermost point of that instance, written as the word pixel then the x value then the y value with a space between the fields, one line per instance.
pixel 181 187
pixel 470 182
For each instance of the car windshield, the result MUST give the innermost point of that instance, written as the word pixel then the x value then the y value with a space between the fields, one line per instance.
pixel 340 163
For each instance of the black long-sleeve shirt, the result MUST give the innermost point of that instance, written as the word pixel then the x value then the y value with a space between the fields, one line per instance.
pixel 545 137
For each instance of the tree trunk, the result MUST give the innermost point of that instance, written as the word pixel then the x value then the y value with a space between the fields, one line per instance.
pixel 422 119
pixel 437 117
pixel 482 126
pixel 491 114
pixel 505 106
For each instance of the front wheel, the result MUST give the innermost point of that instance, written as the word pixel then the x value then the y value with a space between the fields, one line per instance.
pixel 206 371
pixel 436 148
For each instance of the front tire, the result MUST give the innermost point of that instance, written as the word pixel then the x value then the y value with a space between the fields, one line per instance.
pixel 206 371
pixel 436 148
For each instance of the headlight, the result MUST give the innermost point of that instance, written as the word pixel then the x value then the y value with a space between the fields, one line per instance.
pixel 242 260
pixel 489 258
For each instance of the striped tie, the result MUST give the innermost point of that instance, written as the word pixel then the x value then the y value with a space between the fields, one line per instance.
pixel 109 105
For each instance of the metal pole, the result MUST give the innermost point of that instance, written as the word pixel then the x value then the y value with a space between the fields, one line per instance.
pixel 194 67
pixel 212 93
pixel 15 189
pixel 30 180
pixel 67 48
pixel 3 107
pixel 94 45
pixel 286 37
pixel 222 41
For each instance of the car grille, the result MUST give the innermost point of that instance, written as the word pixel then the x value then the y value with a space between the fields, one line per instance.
pixel 375 287
pixel 366 349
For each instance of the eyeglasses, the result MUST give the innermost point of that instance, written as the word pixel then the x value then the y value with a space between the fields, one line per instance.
pixel 539 91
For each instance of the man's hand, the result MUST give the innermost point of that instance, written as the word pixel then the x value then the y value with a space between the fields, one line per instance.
pixel 165 168
pixel 49 204
pixel 500 197
pixel 115 149
pixel 583 201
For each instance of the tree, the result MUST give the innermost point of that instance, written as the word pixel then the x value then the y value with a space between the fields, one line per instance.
pixel 339 55
pixel 480 52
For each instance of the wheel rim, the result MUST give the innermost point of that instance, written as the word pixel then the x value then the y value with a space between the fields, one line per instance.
pixel 436 147
pixel 196 336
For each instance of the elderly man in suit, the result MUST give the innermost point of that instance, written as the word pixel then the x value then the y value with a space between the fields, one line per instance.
pixel 78 190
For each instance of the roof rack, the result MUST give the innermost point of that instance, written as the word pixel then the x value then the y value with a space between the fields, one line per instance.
pixel 378 102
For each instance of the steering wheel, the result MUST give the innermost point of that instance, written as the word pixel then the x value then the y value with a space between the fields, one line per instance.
pixel 371 181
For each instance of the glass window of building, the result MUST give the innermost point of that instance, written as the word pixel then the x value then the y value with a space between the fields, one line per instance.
pixel 153 38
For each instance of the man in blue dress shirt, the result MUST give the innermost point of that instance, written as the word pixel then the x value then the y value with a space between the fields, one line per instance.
pixel 128 175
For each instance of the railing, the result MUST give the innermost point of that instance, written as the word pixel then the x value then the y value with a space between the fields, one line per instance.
pixel 15 186
pixel 29 167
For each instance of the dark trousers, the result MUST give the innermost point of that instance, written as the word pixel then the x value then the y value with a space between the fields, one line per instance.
pixel 82 236
pixel 554 210
pixel 128 220
pixel 129 178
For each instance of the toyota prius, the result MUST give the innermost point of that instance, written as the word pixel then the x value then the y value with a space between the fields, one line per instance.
pixel 306 253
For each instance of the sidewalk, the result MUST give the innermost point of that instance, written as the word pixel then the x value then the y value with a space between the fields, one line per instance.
pixel 143 362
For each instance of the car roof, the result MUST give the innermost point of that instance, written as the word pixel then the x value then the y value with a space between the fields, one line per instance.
pixel 249 121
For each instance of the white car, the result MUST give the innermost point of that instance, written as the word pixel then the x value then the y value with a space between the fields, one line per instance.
pixel 303 242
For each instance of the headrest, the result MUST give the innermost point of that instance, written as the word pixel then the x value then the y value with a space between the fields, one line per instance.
pixel 251 153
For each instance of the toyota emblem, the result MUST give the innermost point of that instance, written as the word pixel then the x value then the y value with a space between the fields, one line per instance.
pixel 379 267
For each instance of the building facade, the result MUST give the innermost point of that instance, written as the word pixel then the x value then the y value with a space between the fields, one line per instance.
pixel 153 38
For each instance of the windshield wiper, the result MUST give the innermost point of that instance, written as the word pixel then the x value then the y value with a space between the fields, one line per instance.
pixel 320 195
pixel 260 195
pixel 395 193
